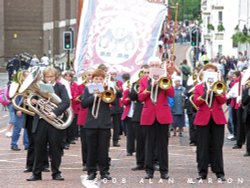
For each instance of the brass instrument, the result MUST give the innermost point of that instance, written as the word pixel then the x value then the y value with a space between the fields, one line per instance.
pixel 13 94
pixel 46 102
pixel 165 83
pixel 219 88
pixel 192 102
pixel 107 96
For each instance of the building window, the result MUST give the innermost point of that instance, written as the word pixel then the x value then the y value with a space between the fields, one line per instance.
pixel 219 50
pixel 220 17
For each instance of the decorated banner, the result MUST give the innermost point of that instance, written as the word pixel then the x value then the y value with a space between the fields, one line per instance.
pixel 122 34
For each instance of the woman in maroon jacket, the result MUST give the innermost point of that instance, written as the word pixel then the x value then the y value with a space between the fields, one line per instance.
pixel 210 123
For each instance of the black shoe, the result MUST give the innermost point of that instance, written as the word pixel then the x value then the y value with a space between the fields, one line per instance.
pixel 72 142
pixel 84 168
pixel 180 135
pixel 247 154
pixel 138 168
pixel 221 178
pixel 237 146
pixel 149 176
pixel 66 147
pixel 201 178
pixel 58 177
pixel 46 170
pixel 91 176
pixel 15 148
pixel 115 144
pixel 165 176
pixel 192 144
pixel 34 178
pixel 129 154
pixel 106 176
pixel 27 170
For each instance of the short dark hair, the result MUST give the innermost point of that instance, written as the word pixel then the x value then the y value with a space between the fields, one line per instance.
pixel 126 76
pixel 236 73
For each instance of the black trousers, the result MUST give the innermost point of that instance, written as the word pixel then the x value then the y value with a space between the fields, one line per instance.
pixel 140 136
pixel 235 122
pixel 44 134
pixel 248 134
pixel 84 145
pixel 31 148
pixel 240 139
pixel 192 129
pixel 130 135
pixel 98 148
pixel 70 131
pixel 116 126
pixel 210 140
pixel 157 135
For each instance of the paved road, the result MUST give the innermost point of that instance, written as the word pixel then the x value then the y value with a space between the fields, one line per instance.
pixel 182 167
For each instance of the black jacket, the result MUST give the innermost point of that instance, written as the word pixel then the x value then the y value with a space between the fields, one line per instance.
pixel 133 95
pixel 61 92
pixel 103 120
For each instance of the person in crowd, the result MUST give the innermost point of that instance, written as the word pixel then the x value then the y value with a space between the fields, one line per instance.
pixel 210 123
pixel 246 103
pixel 44 133
pixel 82 113
pixel 116 108
pixel 186 71
pixel 140 134
pixel 72 130
pixel 156 118
pixel 178 108
pixel 126 117
pixel 19 120
pixel 98 126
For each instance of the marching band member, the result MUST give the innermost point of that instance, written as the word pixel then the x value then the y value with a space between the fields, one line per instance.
pixel 44 133
pixel 210 123
pixel 126 117
pixel 116 108
pixel 97 130
pixel 246 102
pixel 82 114
pixel 156 118
pixel 139 130
pixel 72 130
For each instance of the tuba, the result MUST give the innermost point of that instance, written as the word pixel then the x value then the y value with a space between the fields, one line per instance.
pixel 46 101
pixel 13 94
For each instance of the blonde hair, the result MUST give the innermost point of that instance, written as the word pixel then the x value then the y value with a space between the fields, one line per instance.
pixel 50 70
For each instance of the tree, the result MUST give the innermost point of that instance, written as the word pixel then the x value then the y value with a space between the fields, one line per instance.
pixel 189 10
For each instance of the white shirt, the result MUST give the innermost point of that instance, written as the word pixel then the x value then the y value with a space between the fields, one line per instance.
pixel 131 110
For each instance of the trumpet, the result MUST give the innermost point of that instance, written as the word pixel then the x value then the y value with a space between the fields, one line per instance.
pixel 165 83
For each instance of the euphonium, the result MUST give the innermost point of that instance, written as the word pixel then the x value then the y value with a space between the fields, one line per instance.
pixel 46 102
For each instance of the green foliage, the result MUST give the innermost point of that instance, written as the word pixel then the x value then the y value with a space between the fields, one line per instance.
pixel 220 28
pixel 189 9
pixel 239 37
pixel 210 27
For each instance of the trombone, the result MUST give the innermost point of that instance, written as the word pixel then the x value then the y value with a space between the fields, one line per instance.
pixel 107 96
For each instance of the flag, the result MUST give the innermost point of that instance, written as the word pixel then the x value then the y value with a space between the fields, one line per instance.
pixel 122 34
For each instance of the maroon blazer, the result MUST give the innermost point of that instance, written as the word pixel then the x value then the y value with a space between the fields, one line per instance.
pixel 159 111
pixel 82 112
pixel 204 113
pixel 126 103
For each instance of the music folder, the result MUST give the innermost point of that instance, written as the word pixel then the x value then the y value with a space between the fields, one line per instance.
pixel 47 88
pixel 95 88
